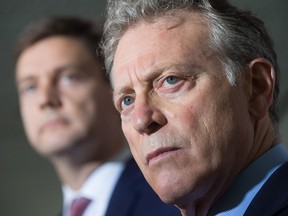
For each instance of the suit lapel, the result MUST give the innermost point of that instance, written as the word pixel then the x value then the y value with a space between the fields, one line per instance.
pixel 273 196
pixel 121 203
pixel 125 196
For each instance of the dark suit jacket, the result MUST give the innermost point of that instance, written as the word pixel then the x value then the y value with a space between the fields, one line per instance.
pixel 272 199
pixel 133 196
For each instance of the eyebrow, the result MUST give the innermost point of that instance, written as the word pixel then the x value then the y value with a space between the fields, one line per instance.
pixel 21 80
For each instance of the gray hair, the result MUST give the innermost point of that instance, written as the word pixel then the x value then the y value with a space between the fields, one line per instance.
pixel 236 36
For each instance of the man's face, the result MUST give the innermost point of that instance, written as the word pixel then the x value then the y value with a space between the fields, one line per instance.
pixel 188 128
pixel 65 102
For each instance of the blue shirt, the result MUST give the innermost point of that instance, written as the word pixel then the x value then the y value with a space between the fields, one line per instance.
pixel 237 198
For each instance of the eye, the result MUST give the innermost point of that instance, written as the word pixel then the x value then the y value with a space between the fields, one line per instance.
pixel 171 80
pixel 27 89
pixel 170 83
pixel 71 77
pixel 126 102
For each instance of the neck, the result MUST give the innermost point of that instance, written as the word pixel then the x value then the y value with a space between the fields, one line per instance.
pixel 194 210
pixel 74 174
pixel 265 137
pixel 73 170
pixel 197 206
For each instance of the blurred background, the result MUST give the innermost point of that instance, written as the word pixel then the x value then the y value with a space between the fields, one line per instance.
pixel 28 183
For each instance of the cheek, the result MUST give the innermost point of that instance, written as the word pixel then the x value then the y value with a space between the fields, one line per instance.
pixel 83 105
pixel 133 139
pixel 29 118
pixel 94 101
pixel 204 126
pixel 216 127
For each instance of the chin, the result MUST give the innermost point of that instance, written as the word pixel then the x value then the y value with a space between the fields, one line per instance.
pixel 174 197
pixel 53 147
pixel 168 187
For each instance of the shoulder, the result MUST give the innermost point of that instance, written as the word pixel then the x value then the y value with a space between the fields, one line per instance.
pixel 273 196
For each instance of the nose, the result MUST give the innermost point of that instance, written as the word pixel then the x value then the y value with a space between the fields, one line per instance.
pixel 49 96
pixel 147 117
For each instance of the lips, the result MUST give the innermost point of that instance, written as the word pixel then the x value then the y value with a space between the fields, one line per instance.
pixel 53 123
pixel 160 153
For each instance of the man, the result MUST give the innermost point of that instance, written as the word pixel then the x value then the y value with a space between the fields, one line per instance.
pixel 69 118
pixel 196 84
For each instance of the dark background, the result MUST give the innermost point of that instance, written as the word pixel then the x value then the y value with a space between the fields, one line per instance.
pixel 28 183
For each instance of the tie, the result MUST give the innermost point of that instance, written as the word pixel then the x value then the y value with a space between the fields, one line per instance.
pixel 78 206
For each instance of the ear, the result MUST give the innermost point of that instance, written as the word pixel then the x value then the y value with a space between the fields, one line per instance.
pixel 262 87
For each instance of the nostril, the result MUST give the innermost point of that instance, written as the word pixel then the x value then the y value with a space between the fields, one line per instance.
pixel 153 127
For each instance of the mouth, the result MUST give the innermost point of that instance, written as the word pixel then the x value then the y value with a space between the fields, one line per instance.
pixel 53 123
pixel 159 154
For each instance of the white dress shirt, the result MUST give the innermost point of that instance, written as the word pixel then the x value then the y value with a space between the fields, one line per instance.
pixel 98 187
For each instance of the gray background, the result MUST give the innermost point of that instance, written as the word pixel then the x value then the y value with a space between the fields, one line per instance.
pixel 28 184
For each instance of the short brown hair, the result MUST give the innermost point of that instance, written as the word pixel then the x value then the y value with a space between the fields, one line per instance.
pixel 86 31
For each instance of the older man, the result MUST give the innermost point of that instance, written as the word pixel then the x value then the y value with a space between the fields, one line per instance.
pixel 196 84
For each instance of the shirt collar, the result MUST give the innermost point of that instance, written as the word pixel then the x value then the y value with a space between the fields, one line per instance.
pixel 100 182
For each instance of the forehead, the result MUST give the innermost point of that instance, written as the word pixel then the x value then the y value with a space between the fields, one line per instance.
pixel 162 40
pixel 52 52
